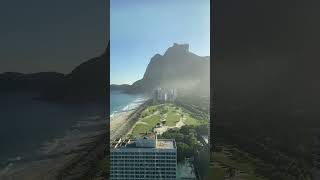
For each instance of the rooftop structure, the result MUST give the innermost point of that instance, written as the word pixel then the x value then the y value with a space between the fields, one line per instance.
pixel 148 140
pixel 144 158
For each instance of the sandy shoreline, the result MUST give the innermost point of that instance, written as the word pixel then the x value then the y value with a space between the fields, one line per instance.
pixel 71 156
pixel 118 122
pixel 56 155
pixel 121 124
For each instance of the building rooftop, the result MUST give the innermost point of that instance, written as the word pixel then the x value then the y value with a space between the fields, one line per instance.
pixel 128 143
pixel 165 144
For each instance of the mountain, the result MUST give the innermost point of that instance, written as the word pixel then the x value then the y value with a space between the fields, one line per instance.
pixel 121 87
pixel 35 82
pixel 177 68
pixel 86 83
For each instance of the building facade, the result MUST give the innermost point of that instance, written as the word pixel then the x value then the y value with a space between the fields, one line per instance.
pixel 165 95
pixel 146 158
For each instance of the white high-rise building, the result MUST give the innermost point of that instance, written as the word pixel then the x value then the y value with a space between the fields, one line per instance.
pixel 165 95
pixel 144 158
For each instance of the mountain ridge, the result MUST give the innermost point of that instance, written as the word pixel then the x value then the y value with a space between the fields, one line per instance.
pixel 176 68
pixel 87 82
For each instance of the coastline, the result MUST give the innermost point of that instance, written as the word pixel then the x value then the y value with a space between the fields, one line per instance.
pixel 117 124
pixel 75 155
pixel 124 121
pixel 64 157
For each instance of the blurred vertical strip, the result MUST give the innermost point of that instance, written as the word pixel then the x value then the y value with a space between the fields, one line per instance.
pixel 212 94
pixel 107 107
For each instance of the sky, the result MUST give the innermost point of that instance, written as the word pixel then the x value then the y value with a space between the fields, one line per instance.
pixel 139 29
pixel 43 35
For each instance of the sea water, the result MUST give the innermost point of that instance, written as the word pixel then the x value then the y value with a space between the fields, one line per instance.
pixel 121 102
pixel 26 124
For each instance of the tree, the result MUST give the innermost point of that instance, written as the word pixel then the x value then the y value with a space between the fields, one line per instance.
pixel 202 129
pixel 184 150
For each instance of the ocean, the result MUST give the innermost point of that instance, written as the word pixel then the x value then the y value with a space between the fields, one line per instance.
pixel 120 102
pixel 27 124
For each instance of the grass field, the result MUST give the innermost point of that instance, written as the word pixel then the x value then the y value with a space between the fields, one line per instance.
pixel 191 121
pixel 155 113
pixel 146 124
pixel 172 118
pixel 149 111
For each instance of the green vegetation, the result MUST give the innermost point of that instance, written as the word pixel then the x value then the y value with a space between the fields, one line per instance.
pixel 264 156
pixel 229 159
pixel 254 167
pixel 172 118
pixel 166 114
pixel 200 103
pixel 186 140
pixel 195 111
pixel 189 120
pixel 185 124
pixel 149 111
pixel 146 124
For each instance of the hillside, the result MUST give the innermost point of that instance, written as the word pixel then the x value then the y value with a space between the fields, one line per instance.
pixel 35 82
pixel 122 87
pixel 177 68
pixel 86 83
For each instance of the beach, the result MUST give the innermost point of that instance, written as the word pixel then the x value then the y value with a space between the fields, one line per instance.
pixel 122 122
pixel 76 154
pixel 118 123
pixel 68 157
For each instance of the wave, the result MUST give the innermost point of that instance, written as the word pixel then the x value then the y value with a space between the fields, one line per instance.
pixel 131 106
pixel 113 114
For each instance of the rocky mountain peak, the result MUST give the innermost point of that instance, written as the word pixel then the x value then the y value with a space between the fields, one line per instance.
pixel 178 48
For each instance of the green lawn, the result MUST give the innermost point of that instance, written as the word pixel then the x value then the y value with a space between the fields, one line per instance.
pixel 191 121
pixel 149 111
pixel 151 116
pixel 172 118
pixel 152 120
pixel 146 125
pixel 139 128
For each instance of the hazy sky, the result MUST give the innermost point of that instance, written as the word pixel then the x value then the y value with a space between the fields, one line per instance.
pixel 141 28
pixel 43 35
